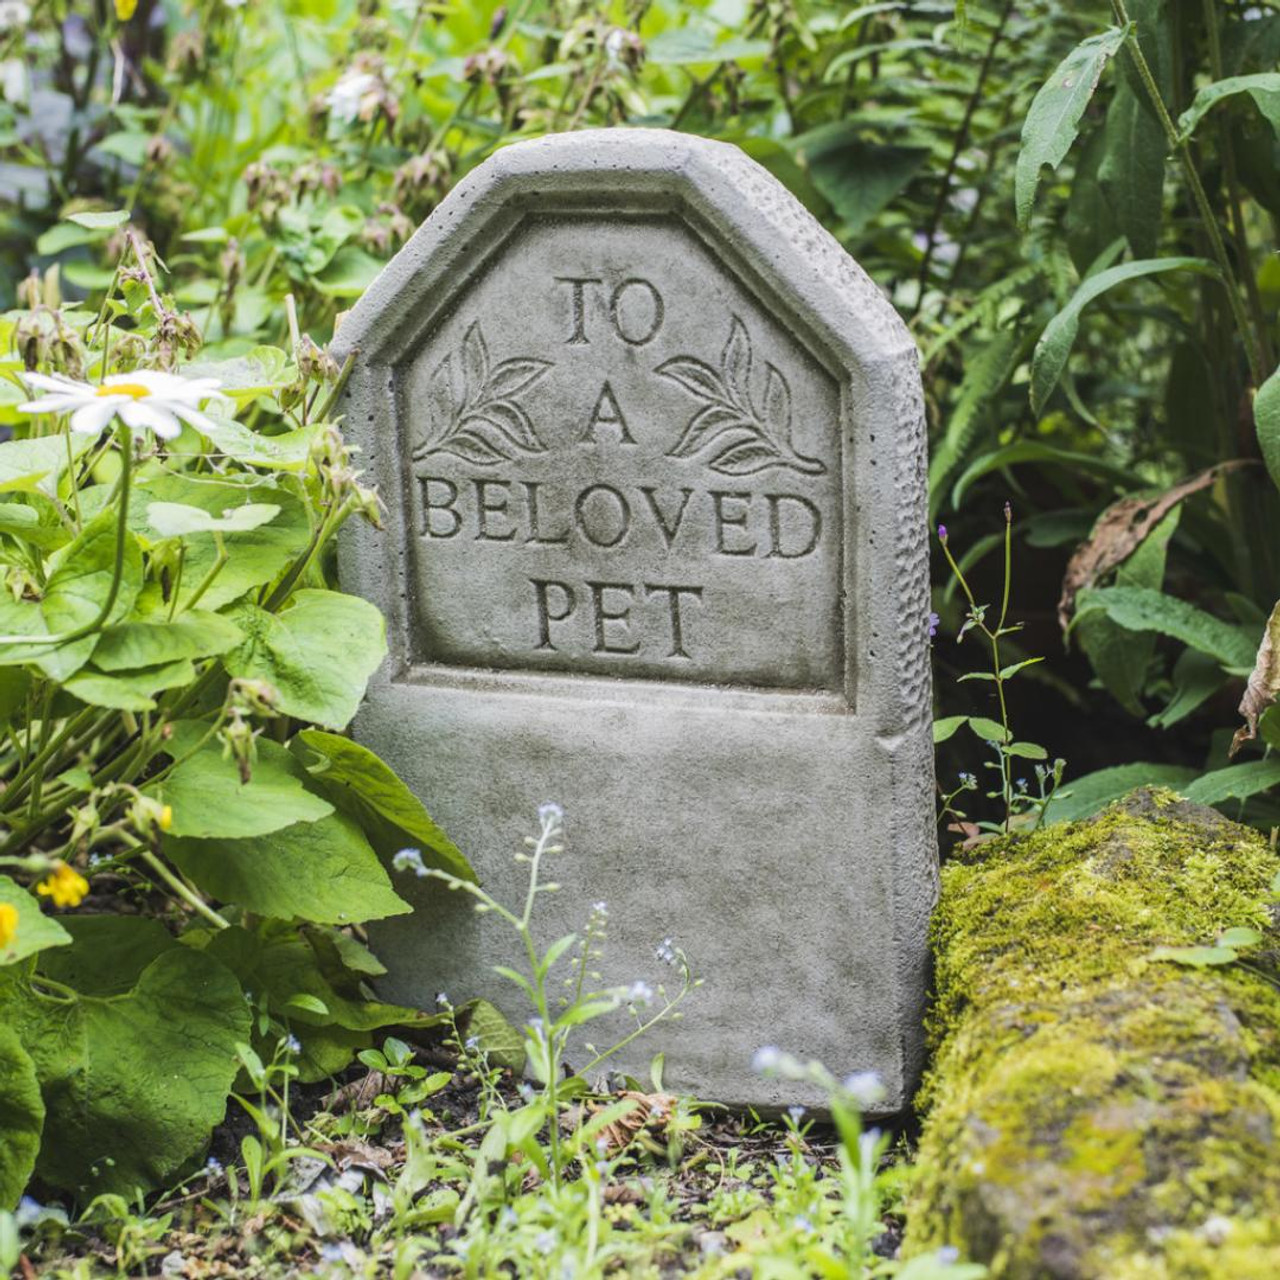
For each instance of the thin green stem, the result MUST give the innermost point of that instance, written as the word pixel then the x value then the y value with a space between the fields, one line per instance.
pixel 187 894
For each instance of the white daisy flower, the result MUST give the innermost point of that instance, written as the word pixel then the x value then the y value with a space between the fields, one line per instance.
pixel 145 400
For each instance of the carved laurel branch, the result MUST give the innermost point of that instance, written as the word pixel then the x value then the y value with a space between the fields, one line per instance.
pixel 483 424
pixel 739 439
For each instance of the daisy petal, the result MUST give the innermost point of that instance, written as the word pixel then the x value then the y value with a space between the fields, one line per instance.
pixel 151 417
pixel 51 404
pixel 90 418
pixel 201 421
pixel 57 382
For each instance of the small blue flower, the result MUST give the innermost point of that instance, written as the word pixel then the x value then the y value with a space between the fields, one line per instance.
pixel 550 814
pixel 765 1059
pixel 409 860
pixel 948 1255
pixel 934 620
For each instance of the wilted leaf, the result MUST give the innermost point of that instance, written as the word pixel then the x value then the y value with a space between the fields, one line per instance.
pixel 1119 531
pixel 1264 683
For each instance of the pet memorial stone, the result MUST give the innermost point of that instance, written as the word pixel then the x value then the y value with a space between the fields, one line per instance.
pixel 652 452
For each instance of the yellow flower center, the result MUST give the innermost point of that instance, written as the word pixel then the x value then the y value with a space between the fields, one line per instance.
pixel 8 923
pixel 135 390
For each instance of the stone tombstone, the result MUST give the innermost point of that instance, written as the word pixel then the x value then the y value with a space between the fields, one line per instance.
pixel 652 451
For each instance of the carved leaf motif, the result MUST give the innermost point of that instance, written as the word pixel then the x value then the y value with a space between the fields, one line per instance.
pixel 696 376
pixel 735 364
pixel 729 411
pixel 509 420
pixel 471 446
pixel 511 377
pixel 706 425
pixel 747 458
pixel 475 363
pixel 442 409
pixel 486 426
pixel 777 405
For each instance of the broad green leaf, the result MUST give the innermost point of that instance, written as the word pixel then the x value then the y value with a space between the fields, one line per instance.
pixel 26 524
pixel 1266 417
pixel 350 273
pixel 176 519
pixel 1143 609
pixel 499 1040
pixel 258 372
pixel 323 871
pixel 367 789
pixel 1083 797
pixel 858 177
pixel 37 465
pixel 35 930
pixel 988 730
pixel 1027 750
pixel 108 952
pixel 1054 118
pixel 318 653
pixel 21 1117
pixel 1196 677
pixel 1263 88
pixel 946 727
pixel 286 452
pixel 74 596
pixel 133 1084
pixel 96 221
pixel 210 801
pixel 1050 356
pixel 1235 782
pixel 256 556
pixel 691 46
pixel 129 690
pixel 197 633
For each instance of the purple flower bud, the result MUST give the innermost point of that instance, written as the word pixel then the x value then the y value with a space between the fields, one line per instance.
pixel 942 533
pixel 1008 513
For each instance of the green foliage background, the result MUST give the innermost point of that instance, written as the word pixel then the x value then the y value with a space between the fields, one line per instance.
pixel 1074 206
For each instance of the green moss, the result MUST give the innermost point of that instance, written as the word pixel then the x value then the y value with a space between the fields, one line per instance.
pixel 1089 1110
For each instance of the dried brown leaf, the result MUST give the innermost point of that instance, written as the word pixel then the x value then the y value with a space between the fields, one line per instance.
pixel 649 1111
pixel 1120 531
pixel 1264 683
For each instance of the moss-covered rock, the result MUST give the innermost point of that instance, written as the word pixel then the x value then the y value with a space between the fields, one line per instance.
pixel 1091 1112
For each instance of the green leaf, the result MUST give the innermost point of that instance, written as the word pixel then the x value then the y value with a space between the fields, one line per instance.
pixel 1054 118
pixel 197 633
pixel 256 556
pixel 95 221
pixel 1266 417
pixel 947 726
pixel 350 273
pixel 1195 957
pixel 73 597
pixel 1045 455
pixel 132 690
pixel 318 653
pixel 1263 88
pixel 108 953
pixel 1050 356
pixel 176 519
pixel 324 871
pixel 1144 609
pixel 1085 796
pixel 367 789
pixel 37 465
pixel 857 176
pixel 1240 936
pixel 988 730
pixel 35 930
pixel 259 372
pixel 1196 678
pixel 1235 782
pixel 692 46
pixel 1027 750
pixel 209 799
pixel 21 1117
pixel 133 1084
pixel 288 451
pixel 499 1040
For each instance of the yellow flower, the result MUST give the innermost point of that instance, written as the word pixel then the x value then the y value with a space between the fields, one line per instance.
pixel 8 923
pixel 65 885
pixel 125 9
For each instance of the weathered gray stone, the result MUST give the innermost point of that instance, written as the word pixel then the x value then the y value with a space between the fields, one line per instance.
pixel 652 450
